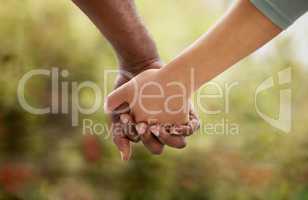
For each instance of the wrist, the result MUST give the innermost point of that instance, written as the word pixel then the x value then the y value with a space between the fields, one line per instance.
pixel 177 76
pixel 130 70
pixel 175 81
pixel 136 67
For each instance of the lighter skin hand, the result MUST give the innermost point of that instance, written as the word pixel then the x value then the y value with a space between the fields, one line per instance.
pixel 147 110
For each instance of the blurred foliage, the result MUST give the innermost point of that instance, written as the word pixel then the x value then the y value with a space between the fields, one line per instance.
pixel 44 157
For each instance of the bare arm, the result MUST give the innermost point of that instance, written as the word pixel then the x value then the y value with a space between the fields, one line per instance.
pixel 119 22
pixel 240 32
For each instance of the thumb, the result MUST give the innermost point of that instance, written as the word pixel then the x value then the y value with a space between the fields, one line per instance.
pixel 116 98
pixel 124 146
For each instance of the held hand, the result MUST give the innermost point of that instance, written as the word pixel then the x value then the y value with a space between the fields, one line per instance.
pixel 154 137
pixel 124 128
pixel 152 99
pixel 123 131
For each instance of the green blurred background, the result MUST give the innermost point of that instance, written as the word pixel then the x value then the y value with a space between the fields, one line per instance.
pixel 44 157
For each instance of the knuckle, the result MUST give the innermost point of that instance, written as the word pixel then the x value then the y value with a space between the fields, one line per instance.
pixel 156 151
pixel 181 145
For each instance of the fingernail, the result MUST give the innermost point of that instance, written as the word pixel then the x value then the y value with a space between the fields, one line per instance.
pixel 194 124
pixel 175 131
pixel 106 109
pixel 155 130
pixel 124 118
pixel 106 106
pixel 141 128
pixel 123 157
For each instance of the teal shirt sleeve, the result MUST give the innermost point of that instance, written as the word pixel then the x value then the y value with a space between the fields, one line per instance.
pixel 283 13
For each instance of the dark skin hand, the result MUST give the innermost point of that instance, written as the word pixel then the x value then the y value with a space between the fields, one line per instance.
pixel 124 126
pixel 119 22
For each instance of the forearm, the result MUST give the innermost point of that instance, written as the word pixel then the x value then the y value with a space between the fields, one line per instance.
pixel 239 33
pixel 119 22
